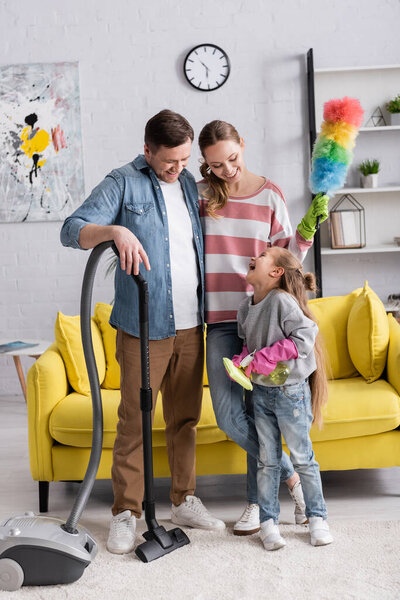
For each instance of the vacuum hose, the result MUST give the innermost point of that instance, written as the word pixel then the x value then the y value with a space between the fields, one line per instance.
pixel 97 440
pixel 158 541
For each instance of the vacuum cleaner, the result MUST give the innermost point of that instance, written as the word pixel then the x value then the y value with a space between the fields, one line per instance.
pixel 40 550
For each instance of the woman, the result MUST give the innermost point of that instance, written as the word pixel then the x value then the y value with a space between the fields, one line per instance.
pixel 241 212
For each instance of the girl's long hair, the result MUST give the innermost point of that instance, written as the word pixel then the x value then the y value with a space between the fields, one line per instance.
pixel 297 283
pixel 217 191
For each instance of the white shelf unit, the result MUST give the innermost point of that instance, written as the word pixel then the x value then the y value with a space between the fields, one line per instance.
pixel 377 190
pixel 352 69
pixel 365 250
pixel 379 128
pixel 374 86
pixel 376 129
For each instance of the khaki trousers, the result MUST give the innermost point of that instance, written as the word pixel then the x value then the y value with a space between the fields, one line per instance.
pixel 176 368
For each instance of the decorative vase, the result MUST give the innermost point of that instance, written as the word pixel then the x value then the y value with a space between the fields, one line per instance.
pixel 369 181
pixel 395 118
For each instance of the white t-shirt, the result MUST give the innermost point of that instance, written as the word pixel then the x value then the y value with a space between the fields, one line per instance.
pixel 184 267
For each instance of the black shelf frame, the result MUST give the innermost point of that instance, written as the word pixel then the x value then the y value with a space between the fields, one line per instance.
pixel 313 136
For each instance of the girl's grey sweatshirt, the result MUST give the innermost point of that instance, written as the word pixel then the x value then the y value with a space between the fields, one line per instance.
pixel 279 316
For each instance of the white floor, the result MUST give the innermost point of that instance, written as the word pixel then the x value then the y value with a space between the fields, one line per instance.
pixel 363 494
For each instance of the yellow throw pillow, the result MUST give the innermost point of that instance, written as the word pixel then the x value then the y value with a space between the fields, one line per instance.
pixel 69 343
pixel 332 314
pixel 102 312
pixel 368 334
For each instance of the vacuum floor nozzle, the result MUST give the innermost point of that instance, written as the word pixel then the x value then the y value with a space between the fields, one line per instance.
pixel 160 542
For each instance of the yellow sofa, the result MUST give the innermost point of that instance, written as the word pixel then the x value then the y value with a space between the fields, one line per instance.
pixel 361 420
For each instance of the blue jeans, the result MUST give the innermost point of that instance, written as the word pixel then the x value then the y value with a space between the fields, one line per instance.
pixel 234 415
pixel 286 411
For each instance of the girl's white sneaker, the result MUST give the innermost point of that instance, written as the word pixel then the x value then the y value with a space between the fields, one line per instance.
pixel 320 534
pixel 299 505
pixel 270 536
pixel 249 522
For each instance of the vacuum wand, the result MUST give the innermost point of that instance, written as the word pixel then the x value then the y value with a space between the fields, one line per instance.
pixel 158 541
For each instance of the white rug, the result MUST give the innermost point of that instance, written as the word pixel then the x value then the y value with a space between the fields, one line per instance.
pixel 362 563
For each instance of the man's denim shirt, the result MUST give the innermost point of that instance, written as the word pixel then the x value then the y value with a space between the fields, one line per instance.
pixel 131 196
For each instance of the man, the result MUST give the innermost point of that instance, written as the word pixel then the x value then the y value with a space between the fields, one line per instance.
pixel 149 208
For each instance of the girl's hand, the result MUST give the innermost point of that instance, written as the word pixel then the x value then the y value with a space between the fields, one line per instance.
pixel 237 359
pixel 266 359
pixel 260 364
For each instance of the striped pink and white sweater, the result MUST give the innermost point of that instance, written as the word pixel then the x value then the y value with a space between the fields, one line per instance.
pixel 246 225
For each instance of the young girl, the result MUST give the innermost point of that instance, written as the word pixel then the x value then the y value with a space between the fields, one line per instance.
pixel 277 324
pixel 240 213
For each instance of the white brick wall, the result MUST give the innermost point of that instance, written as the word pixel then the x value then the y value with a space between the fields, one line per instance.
pixel 130 55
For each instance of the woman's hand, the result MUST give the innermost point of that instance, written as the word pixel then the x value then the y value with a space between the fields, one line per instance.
pixel 131 251
pixel 319 208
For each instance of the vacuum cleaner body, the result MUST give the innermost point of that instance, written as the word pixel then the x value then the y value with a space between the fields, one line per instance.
pixel 44 553
pixel 38 550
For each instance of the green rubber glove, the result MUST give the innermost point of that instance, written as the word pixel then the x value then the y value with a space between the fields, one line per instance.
pixel 319 208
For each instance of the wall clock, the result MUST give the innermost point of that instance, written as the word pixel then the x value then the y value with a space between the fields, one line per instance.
pixel 206 67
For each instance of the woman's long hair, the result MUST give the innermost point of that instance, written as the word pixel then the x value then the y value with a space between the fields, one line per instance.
pixel 297 283
pixel 217 191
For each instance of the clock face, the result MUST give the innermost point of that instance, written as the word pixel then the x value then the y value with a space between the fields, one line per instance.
pixel 206 67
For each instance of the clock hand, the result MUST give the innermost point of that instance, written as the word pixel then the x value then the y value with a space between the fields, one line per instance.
pixel 207 68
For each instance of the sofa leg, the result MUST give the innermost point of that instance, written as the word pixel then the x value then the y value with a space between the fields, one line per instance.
pixel 43 496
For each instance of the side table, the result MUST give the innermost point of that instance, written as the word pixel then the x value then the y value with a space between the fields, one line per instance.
pixel 32 351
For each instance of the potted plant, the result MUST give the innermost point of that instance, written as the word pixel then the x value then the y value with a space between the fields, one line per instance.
pixel 369 173
pixel 393 108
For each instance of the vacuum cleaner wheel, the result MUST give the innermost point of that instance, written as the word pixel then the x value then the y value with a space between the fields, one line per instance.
pixel 11 575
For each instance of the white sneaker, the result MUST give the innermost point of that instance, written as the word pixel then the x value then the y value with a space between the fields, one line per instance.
pixel 270 536
pixel 249 522
pixel 299 505
pixel 193 513
pixel 121 539
pixel 320 534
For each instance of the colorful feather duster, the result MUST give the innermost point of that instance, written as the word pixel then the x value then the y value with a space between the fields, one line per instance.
pixel 332 152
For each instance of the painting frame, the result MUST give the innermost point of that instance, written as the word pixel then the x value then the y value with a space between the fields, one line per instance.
pixel 41 157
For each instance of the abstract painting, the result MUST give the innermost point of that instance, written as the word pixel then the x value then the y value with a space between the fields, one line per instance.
pixel 41 166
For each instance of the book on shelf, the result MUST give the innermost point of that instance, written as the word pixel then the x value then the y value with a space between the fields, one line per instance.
pixel 336 230
pixel 17 345
pixel 344 229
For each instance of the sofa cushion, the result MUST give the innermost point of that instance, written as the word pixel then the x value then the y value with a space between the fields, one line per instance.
pixel 356 408
pixel 112 379
pixel 393 359
pixel 71 421
pixel 368 334
pixel 69 343
pixel 332 314
pixel 102 314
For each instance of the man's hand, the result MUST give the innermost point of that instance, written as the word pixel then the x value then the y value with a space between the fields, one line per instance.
pixel 131 251
pixel 318 208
